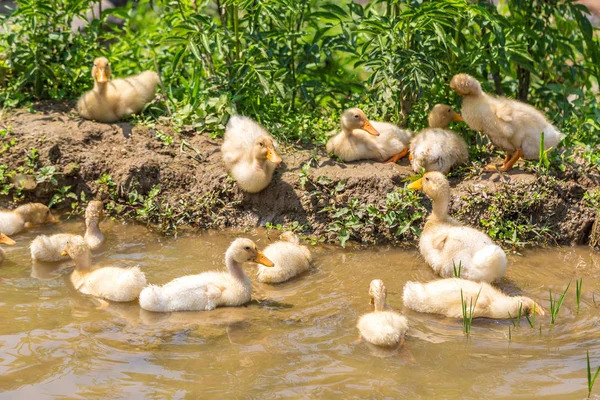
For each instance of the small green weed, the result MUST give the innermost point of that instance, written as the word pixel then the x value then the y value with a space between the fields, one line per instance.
pixel 591 379
pixel 555 305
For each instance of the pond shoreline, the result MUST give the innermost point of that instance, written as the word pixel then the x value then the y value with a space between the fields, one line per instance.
pixel 177 185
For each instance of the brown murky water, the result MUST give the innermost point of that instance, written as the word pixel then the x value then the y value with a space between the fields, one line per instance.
pixel 297 340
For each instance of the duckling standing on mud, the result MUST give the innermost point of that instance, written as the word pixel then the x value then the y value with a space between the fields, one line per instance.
pixel 14 221
pixel 361 139
pixel 111 100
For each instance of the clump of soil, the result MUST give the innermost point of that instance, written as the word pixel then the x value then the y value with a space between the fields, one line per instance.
pixel 195 190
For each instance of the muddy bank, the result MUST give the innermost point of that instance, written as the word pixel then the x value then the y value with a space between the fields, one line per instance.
pixel 184 184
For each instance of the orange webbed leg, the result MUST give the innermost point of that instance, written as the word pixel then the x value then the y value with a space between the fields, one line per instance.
pixel 398 156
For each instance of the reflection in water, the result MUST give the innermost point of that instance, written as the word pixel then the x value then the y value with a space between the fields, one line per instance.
pixel 296 339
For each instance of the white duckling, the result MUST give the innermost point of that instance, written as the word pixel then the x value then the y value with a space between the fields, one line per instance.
pixel 438 148
pixel 249 154
pixel 208 290
pixel 110 283
pixel 111 100
pixel 289 257
pixel 361 139
pixel 447 245
pixel 511 125
pixel 382 327
pixel 443 296
pixel 16 220
pixel 7 241
pixel 49 248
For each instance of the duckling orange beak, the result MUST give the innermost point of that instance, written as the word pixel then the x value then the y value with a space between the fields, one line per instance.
pixel 6 240
pixel 458 118
pixel 369 128
pixel 101 76
pixel 273 156
pixel 416 185
pixel 262 259
pixel 539 310
pixel 64 252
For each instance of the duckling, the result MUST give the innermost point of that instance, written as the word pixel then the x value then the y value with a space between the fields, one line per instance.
pixel 511 125
pixel 443 296
pixel 208 290
pixel 447 245
pixel 361 139
pixel 110 283
pixel 7 241
pixel 109 101
pixel 289 257
pixel 383 326
pixel 438 148
pixel 249 154
pixel 15 221
pixel 49 248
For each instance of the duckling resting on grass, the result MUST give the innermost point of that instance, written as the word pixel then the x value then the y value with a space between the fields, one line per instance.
pixel 289 257
pixel 443 297
pixel 249 153
pixel 109 101
pixel 7 241
pixel 383 326
pixel 12 222
pixel 447 245
pixel 49 248
pixel 361 139
pixel 438 148
pixel 208 290
pixel 110 283
pixel 511 125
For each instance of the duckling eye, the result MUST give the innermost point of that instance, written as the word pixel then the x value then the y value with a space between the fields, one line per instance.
pixel 427 179
pixel 449 110
pixel 355 116
pixel 261 144
pixel 247 248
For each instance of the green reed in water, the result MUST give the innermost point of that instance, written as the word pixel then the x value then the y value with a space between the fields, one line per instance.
pixel 517 320
pixel 458 270
pixel 591 379
pixel 555 305
pixel 467 312
pixel 578 285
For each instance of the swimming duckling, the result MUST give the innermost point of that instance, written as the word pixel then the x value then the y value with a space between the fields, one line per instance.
pixel 109 101
pixel 443 296
pixel 361 139
pixel 289 257
pixel 208 290
pixel 438 148
pixel 49 248
pixel 447 245
pixel 511 125
pixel 110 283
pixel 382 327
pixel 249 154
pixel 16 220
pixel 7 241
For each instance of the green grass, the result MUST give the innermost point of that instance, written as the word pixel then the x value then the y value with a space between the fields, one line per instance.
pixel 591 379
pixel 555 304
pixel 578 286
pixel 467 311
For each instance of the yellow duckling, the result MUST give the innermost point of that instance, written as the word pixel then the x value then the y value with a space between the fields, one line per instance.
pixel 511 125
pixel 443 297
pixel 447 245
pixel 289 257
pixel 249 153
pixel 438 148
pixel 15 221
pixel 208 290
pixel 109 101
pixel 382 327
pixel 361 139
pixel 110 283
pixel 7 241
pixel 49 248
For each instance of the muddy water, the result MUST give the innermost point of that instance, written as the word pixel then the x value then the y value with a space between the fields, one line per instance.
pixel 296 340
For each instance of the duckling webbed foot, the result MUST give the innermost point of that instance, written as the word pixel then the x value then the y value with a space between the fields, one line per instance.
pixel 509 162
pixel 398 156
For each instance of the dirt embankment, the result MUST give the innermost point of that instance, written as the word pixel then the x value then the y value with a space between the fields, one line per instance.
pixel 195 190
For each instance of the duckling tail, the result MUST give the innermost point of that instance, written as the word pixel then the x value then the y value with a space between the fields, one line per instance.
pixel 152 299
pixel 489 264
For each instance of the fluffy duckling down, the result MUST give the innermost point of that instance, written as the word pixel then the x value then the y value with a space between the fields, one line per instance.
pixel 289 257
pixel 50 248
pixel 382 327
pixel 443 296
pixel 250 154
pixel 111 100
pixel 12 222
pixel 447 245
pixel 7 241
pixel 110 283
pixel 438 148
pixel 361 139
pixel 511 125
pixel 208 290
